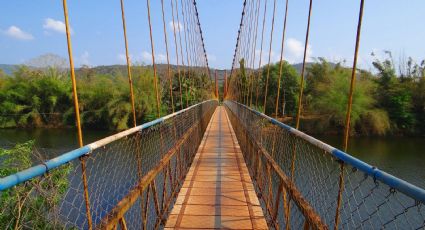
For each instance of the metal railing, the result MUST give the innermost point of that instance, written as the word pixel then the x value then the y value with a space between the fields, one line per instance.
pixel 297 179
pixel 133 178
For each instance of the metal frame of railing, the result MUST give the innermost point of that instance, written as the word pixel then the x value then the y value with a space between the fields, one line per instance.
pixel 133 177
pixel 38 170
pixel 392 181
pixel 414 195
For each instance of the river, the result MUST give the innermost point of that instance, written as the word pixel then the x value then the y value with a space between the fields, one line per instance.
pixel 403 157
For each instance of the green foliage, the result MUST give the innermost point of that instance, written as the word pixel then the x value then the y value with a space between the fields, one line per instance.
pixel 32 98
pixel 288 87
pixel 375 122
pixel 330 94
pixel 383 102
pixel 30 205
pixel 42 98
pixel 394 96
pixel 418 97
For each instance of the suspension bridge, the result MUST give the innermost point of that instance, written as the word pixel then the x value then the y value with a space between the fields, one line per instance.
pixel 214 164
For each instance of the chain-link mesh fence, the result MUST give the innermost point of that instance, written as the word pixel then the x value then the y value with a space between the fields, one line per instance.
pixel 143 168
pixel 369 198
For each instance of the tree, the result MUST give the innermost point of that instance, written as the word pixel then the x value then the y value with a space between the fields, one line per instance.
pixel 394 95
pixel 331 95
pixel 289 87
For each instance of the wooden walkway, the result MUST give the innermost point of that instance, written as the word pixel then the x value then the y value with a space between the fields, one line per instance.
pixel 218 191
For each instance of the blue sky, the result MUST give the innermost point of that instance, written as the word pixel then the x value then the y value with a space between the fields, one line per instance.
pixel 32 28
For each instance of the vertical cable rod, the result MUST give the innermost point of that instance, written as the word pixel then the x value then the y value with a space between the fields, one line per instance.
pixel 177 54
pixel 281 63
pixel 77 115
pixel 127 58
pixel 348 115
pixel 270 55
pixel 155 77
pixel 300 96
pixel 260 72
pixel 168 58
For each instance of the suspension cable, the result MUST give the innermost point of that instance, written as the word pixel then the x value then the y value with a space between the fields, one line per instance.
pixel 180 41
pixel 168 58
pixel 187 52
pixel 353 78
pixel 127 58
pixel 181 49
pixel 348 115
pixel 191 43
pixel 177 54
pixel 236 52
pixel 249 51
pixel 261 52
pixel 202 41
pixel 153 61
pixel 241 56
pixel 281 64
pixel 257 13
pixel 300 96
pixel 77 115
pixel 270 54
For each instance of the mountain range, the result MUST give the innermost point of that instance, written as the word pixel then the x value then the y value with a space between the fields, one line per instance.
pixel 53 60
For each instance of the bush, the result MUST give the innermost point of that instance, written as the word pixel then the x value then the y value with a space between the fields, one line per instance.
pixel 33 204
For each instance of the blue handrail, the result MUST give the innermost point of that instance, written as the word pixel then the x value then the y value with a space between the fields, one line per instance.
pixel 38 170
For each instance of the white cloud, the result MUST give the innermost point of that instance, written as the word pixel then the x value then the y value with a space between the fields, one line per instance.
pixel 146 57
pixel 211 57
pixel 177 25
pixel 16 32
pixel 122 58
pixel 84 58
pixel 264 58
pixel 55 25
pixel 295 51
pixel 161 58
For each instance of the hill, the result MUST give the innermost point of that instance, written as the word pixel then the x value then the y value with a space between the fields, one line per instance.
pixel 53 60
pixel 8 69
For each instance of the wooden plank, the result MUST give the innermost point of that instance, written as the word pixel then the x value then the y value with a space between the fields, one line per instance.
pixel 217 191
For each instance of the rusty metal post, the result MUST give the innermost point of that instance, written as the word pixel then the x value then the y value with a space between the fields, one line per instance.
pixel 130 81
pixel 153 60
pixel 348 115
pixel 225 86
pixel 216 85
pixel 170 80
pixel 77 113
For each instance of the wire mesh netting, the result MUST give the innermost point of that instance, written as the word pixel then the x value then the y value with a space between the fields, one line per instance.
pixel 152 161
pixel 366 202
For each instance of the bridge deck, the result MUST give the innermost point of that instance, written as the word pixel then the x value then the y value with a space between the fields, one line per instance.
pixel 218 191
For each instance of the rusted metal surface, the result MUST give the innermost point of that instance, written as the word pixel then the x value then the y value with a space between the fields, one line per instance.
pixel 155 192
pixel 148 180
pixel 262 166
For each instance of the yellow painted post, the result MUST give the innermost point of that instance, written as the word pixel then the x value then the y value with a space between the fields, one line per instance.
pixel 77 113
pixel 130 81
pixel 225 86
pixel 216 85
pixel 153 61
pixel 348 115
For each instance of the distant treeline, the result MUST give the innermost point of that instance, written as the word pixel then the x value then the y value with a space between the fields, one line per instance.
pixel 31 98
pixel 387 101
